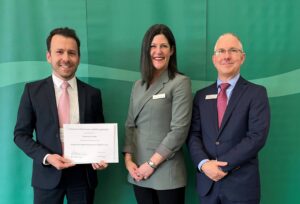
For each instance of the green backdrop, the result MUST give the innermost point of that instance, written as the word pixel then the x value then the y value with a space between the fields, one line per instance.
pixel 111 33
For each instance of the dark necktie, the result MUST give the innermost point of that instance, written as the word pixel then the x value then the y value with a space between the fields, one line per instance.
pixel 222 102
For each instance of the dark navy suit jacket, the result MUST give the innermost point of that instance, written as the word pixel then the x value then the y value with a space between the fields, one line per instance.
pixel 243 133
pixel 38 112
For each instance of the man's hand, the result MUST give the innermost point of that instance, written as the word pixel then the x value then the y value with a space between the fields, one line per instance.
pixel 99 166
pixel 212 169
pixel 59 162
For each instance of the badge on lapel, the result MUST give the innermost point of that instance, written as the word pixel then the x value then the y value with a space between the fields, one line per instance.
pixel 211 96
pixel 158 96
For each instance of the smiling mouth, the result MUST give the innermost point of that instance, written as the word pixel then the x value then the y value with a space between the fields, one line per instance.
pixel 65 66
pixel 227 63
pixel 158 58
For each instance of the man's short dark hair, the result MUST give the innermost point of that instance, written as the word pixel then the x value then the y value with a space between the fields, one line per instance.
pixel 66 32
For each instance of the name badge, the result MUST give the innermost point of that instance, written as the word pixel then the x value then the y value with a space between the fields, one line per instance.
pixel 157 96
pixel 211 96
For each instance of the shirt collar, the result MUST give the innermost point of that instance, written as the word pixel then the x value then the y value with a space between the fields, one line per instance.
pixel 57 81
pixel 232 81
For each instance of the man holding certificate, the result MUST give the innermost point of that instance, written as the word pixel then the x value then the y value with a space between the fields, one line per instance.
pixel 45 106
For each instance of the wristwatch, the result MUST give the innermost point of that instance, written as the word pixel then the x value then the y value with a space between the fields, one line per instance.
pixel 151 164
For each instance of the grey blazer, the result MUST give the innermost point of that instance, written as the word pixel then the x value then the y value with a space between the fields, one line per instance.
pixel 158 121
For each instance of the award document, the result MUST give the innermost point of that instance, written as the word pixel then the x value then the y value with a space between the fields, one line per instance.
pixel 91 143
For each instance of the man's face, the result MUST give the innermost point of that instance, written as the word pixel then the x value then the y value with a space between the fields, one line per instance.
pixel 63 57
pixel 228 57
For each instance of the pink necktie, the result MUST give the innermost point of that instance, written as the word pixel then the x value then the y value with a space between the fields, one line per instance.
pixel 64 105
pixel 222 102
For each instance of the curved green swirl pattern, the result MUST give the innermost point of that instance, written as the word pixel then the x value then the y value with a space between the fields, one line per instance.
pixel 18 72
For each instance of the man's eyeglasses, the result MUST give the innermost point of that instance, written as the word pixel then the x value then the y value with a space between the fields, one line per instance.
pixel 231 51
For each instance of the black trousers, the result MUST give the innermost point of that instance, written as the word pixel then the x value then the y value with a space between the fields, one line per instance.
pixel 73 185
pixel 152 196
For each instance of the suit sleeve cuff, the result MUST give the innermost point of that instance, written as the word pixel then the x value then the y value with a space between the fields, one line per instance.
pixel 165 152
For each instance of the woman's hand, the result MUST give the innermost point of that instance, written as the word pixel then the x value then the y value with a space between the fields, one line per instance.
pixel 145 170
pixel 132 168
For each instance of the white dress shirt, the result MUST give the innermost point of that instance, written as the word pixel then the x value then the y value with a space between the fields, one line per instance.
pixel 74 104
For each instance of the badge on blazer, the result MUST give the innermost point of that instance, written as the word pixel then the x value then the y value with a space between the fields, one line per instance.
pixel 211 96
pixel 157 96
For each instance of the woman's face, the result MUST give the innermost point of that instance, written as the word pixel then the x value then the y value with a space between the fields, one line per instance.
pixel 160 53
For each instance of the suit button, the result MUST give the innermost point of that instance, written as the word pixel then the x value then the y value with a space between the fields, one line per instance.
pixel 217 142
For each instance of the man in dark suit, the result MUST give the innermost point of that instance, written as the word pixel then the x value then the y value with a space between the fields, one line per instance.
pixel 230 124
pixel 54 176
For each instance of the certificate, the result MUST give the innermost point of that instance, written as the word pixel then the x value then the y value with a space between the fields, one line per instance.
pixel 91 143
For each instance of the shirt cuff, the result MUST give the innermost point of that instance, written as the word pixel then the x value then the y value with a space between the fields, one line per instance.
pixel 45 160
pixel 201 164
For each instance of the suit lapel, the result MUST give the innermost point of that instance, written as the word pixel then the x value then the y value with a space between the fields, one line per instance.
pixel 153 89
pixel 237 92
pixel 212 113
pixel 81 100
pixel 52 99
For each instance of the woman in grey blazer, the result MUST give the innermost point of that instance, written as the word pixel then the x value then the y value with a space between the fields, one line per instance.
pixel 158 122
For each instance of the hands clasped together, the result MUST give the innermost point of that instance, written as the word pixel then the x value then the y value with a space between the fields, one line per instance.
pixel 142 172
pixel 212 169
pixel 60 163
